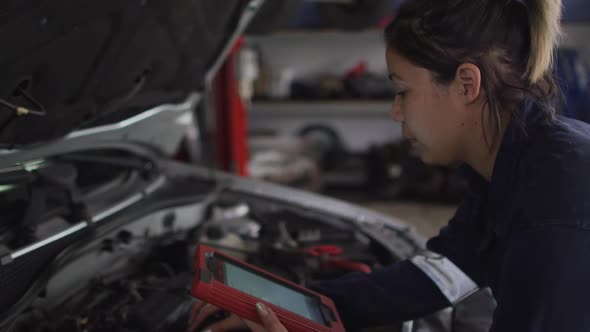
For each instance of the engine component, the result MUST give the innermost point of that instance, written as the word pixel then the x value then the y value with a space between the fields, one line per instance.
pixel 150 293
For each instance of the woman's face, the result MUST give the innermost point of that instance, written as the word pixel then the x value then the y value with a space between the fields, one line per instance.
pixel 431 115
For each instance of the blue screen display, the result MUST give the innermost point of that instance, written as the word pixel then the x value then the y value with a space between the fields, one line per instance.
pixel 275 293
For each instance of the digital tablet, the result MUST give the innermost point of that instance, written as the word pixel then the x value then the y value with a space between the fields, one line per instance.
pixel 236 286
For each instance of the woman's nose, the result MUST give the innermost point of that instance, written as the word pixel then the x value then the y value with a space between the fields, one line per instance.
pixel 396 111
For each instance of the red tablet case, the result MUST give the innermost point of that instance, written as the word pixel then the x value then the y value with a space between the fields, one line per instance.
pixel 208 289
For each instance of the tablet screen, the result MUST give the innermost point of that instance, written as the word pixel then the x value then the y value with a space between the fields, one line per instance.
pixel 273 292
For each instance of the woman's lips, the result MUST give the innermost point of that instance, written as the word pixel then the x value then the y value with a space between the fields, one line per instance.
pixel 409 137
pixel 414 144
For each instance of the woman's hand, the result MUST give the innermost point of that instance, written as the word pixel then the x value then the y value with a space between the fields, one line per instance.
pixel 270 321
pixel 201 310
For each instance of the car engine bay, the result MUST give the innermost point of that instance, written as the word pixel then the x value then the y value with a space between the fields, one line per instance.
pixel 148 290
pixel 110 235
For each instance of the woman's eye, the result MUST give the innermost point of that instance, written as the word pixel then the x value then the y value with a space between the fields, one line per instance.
pixel 401 93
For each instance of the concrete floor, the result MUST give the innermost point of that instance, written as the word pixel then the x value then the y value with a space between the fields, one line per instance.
pixel 427 218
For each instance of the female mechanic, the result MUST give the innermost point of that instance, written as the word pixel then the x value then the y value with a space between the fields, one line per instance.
pixel 474 86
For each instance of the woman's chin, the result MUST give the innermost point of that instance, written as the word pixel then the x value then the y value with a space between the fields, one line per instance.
pixel 431 159
pixel 427 159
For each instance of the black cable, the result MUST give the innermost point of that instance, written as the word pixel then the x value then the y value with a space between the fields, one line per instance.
pixel 113 161
pixel 20 110
pixel 9 317
pixel 70 253
pixel 17 111
pixel 117 103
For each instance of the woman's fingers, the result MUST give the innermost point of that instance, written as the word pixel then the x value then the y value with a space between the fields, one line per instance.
pixel 270 321
pixel 195 308
pixel 233 322
pixel 201 310
pixel 254 327
pixel 206 311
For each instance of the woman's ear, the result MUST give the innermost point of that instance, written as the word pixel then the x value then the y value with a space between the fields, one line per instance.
pixel 468 82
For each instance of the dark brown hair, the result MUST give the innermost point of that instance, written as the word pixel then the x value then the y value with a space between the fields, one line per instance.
pixel 511 41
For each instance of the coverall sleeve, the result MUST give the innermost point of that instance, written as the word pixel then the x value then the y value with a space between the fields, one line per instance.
pixel 417 286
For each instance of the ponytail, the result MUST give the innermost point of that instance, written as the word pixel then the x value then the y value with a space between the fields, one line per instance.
pixel 545 29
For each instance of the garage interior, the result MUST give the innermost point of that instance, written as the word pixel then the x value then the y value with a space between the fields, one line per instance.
pixel 133 134
pixel 316 103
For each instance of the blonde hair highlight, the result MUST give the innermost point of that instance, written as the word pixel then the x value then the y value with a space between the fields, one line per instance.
pixel 545 28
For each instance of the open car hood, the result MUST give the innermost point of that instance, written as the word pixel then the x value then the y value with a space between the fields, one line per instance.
pixel 69 65
pixel 94 98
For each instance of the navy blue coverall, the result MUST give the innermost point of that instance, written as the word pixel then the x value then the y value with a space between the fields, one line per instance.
pixel 525 235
